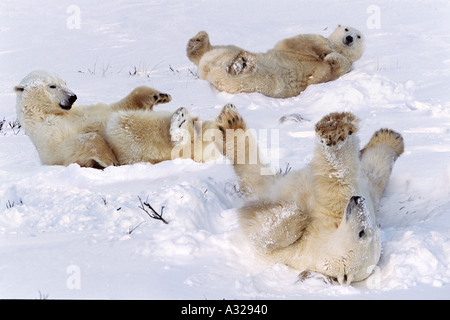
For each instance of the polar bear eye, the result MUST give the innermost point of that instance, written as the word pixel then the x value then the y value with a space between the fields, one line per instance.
pixel 346 29
pixel 52 86
pixel 359 37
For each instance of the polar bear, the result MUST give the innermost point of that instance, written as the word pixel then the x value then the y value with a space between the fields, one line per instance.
pixel 100 135
pixel 65 133
pixel 320 218
pixel 282 72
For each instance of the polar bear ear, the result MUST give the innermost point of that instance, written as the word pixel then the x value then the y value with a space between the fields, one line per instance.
pixel 19 88
pixel 338 26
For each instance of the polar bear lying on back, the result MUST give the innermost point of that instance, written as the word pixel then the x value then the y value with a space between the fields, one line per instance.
pixel 320 218
pixel 101 135
pixel 282 72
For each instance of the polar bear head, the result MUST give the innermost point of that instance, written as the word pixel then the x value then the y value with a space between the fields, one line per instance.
pixel 355 248
pixel 45 91
pixel 347 41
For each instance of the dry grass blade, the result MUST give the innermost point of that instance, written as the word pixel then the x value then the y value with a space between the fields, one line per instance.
pixel 145 206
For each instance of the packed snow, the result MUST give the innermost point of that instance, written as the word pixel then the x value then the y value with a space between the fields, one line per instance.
pixel 71 232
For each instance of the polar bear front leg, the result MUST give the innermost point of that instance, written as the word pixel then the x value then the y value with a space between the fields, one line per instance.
pixel 336 162
pixel 272 225
pixel 142 98
pixel 339 65
pixel 89 150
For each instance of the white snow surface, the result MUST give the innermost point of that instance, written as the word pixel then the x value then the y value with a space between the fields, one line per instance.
pixel 71 232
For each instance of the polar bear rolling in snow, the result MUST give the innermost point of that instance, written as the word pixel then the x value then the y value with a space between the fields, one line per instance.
pixel 322 217
pixel 101 135
pixel 282 72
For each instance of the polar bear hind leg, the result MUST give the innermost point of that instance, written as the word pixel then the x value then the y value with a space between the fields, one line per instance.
pixel 377 160
pixel 389 138
pixel 240 147
pixel 230 121
pixel 179 126
pixel 230 118
pixel 197 46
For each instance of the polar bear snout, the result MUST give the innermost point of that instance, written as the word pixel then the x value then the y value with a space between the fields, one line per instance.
pixel 356 204
pixel 68 100
pixel 357 199
pixel 357 214
pixel 72 98
pixel 348 40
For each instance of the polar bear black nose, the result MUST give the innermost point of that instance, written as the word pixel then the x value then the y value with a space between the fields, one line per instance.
pixel 349 39
pixel 72 98
pixel 357 199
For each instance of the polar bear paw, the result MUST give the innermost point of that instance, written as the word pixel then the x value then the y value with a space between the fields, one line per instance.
pixel 243 62
pixel 229 118
pixel 231 124
pixel 305 275
pixel 389 138
pixel 179 126
pixel 145 98
pixel 335 127
pixel 197 46
pixel 160 97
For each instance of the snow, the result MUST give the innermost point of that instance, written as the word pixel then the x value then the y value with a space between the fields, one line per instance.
pixel 71 232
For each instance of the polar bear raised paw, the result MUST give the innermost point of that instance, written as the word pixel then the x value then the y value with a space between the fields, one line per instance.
pixel 143 98
pixel 179 126
pixel 389 138
pixel 161 98
pixel 243 62
pixel 335 127
pixel 230 118
pixel 197 46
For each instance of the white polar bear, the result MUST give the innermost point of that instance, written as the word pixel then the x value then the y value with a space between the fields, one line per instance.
pixel 282 72
pixel 101 135
pixel 322 217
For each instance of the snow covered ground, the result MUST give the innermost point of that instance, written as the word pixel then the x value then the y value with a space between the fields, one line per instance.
pixel 71 232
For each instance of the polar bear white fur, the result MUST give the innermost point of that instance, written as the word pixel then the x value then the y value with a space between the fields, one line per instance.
pixel 322 217
pixel 143 136
pixel 282 72
pixel 100 135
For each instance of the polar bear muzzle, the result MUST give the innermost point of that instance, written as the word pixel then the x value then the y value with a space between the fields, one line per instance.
pixel 348 40
pixel 356 205
pixel 68 100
